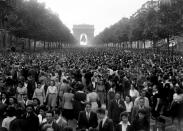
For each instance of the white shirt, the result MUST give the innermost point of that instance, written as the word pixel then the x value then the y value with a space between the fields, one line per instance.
pixel 177 98
pixel 103 121
pixel 3 101
pixel 134 93
pixel 87 115
pixel 41 119
pixel 6 122
pixel 129 106
pixel 124 125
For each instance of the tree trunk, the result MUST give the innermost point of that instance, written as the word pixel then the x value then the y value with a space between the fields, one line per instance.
pixel 168 44
pixel 34 45
pixel 44 44
pixel 29 44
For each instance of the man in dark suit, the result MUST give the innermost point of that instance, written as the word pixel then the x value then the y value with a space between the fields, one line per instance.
pixel 31 119
pixel 116 107
pixel 87 119
pixel 106 124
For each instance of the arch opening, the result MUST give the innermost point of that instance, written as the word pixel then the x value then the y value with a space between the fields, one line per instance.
pixel 83 39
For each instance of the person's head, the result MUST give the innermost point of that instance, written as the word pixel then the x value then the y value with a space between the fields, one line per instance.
pixel 11 111
pixel 25 97
pixel 143 93
pixel 20 84
pixel 52 82
pixel 101 113
pixel 3 95
pixel 155 88
pixel 49 116
pixel 39 85
pixel 132 86
pixel 117 96
pixel 29 109
pixel 141 114
pixel 36 101
pixel 57 113
pixel 128 98
pixel 124 117
pixel 69 90
pixel 12 100
pixel 141 101
pixel 88 107
pixel 42 110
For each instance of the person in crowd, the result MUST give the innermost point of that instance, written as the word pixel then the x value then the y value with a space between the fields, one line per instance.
pixel 39 93
pixel 51 95
pixel 142 94
pixel 42 114
pixel 31 85
pixel 68 98
pixel 50 122
pixel 105 124
pixel 36 104
pixel 10 117
pixel 141 122
pixel 60 120
pixel 100 89
pixel 4 98
pixel 21 90
pixel 133 92
pixel 12 102
pixel 93 98
pixel 87 119
pixel 124 124
pixel 31 119
pixel 25 102
pixel 139 107
pixel 177 107
pixel 129 106
pixel 116 107
pixel 155 103
pixel 79 100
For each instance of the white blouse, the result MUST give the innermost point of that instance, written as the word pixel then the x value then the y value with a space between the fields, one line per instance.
pixel 52 90
pixel 129 106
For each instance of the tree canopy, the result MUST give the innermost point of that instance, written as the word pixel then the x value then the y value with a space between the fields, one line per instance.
pixel 152 23
pixel 31 19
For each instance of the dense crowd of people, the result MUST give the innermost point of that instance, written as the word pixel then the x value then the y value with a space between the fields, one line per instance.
pixel 104 89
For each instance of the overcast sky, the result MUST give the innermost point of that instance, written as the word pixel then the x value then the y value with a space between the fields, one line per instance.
pixel 100 13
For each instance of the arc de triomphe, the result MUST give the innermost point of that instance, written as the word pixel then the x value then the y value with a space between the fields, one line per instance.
pixel 83 33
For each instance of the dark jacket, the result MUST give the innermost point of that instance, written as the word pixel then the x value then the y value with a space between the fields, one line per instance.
pixel 115 110
pixel 84 123
pixel 32 122
pixel 108 125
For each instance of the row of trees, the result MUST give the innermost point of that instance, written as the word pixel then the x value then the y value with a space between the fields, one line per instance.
pixel 154 23
pixel 30 19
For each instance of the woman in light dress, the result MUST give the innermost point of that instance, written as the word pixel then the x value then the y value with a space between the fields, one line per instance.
pixel 51 95
pixel 39 93
pixel 21 90
pixel 93 98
